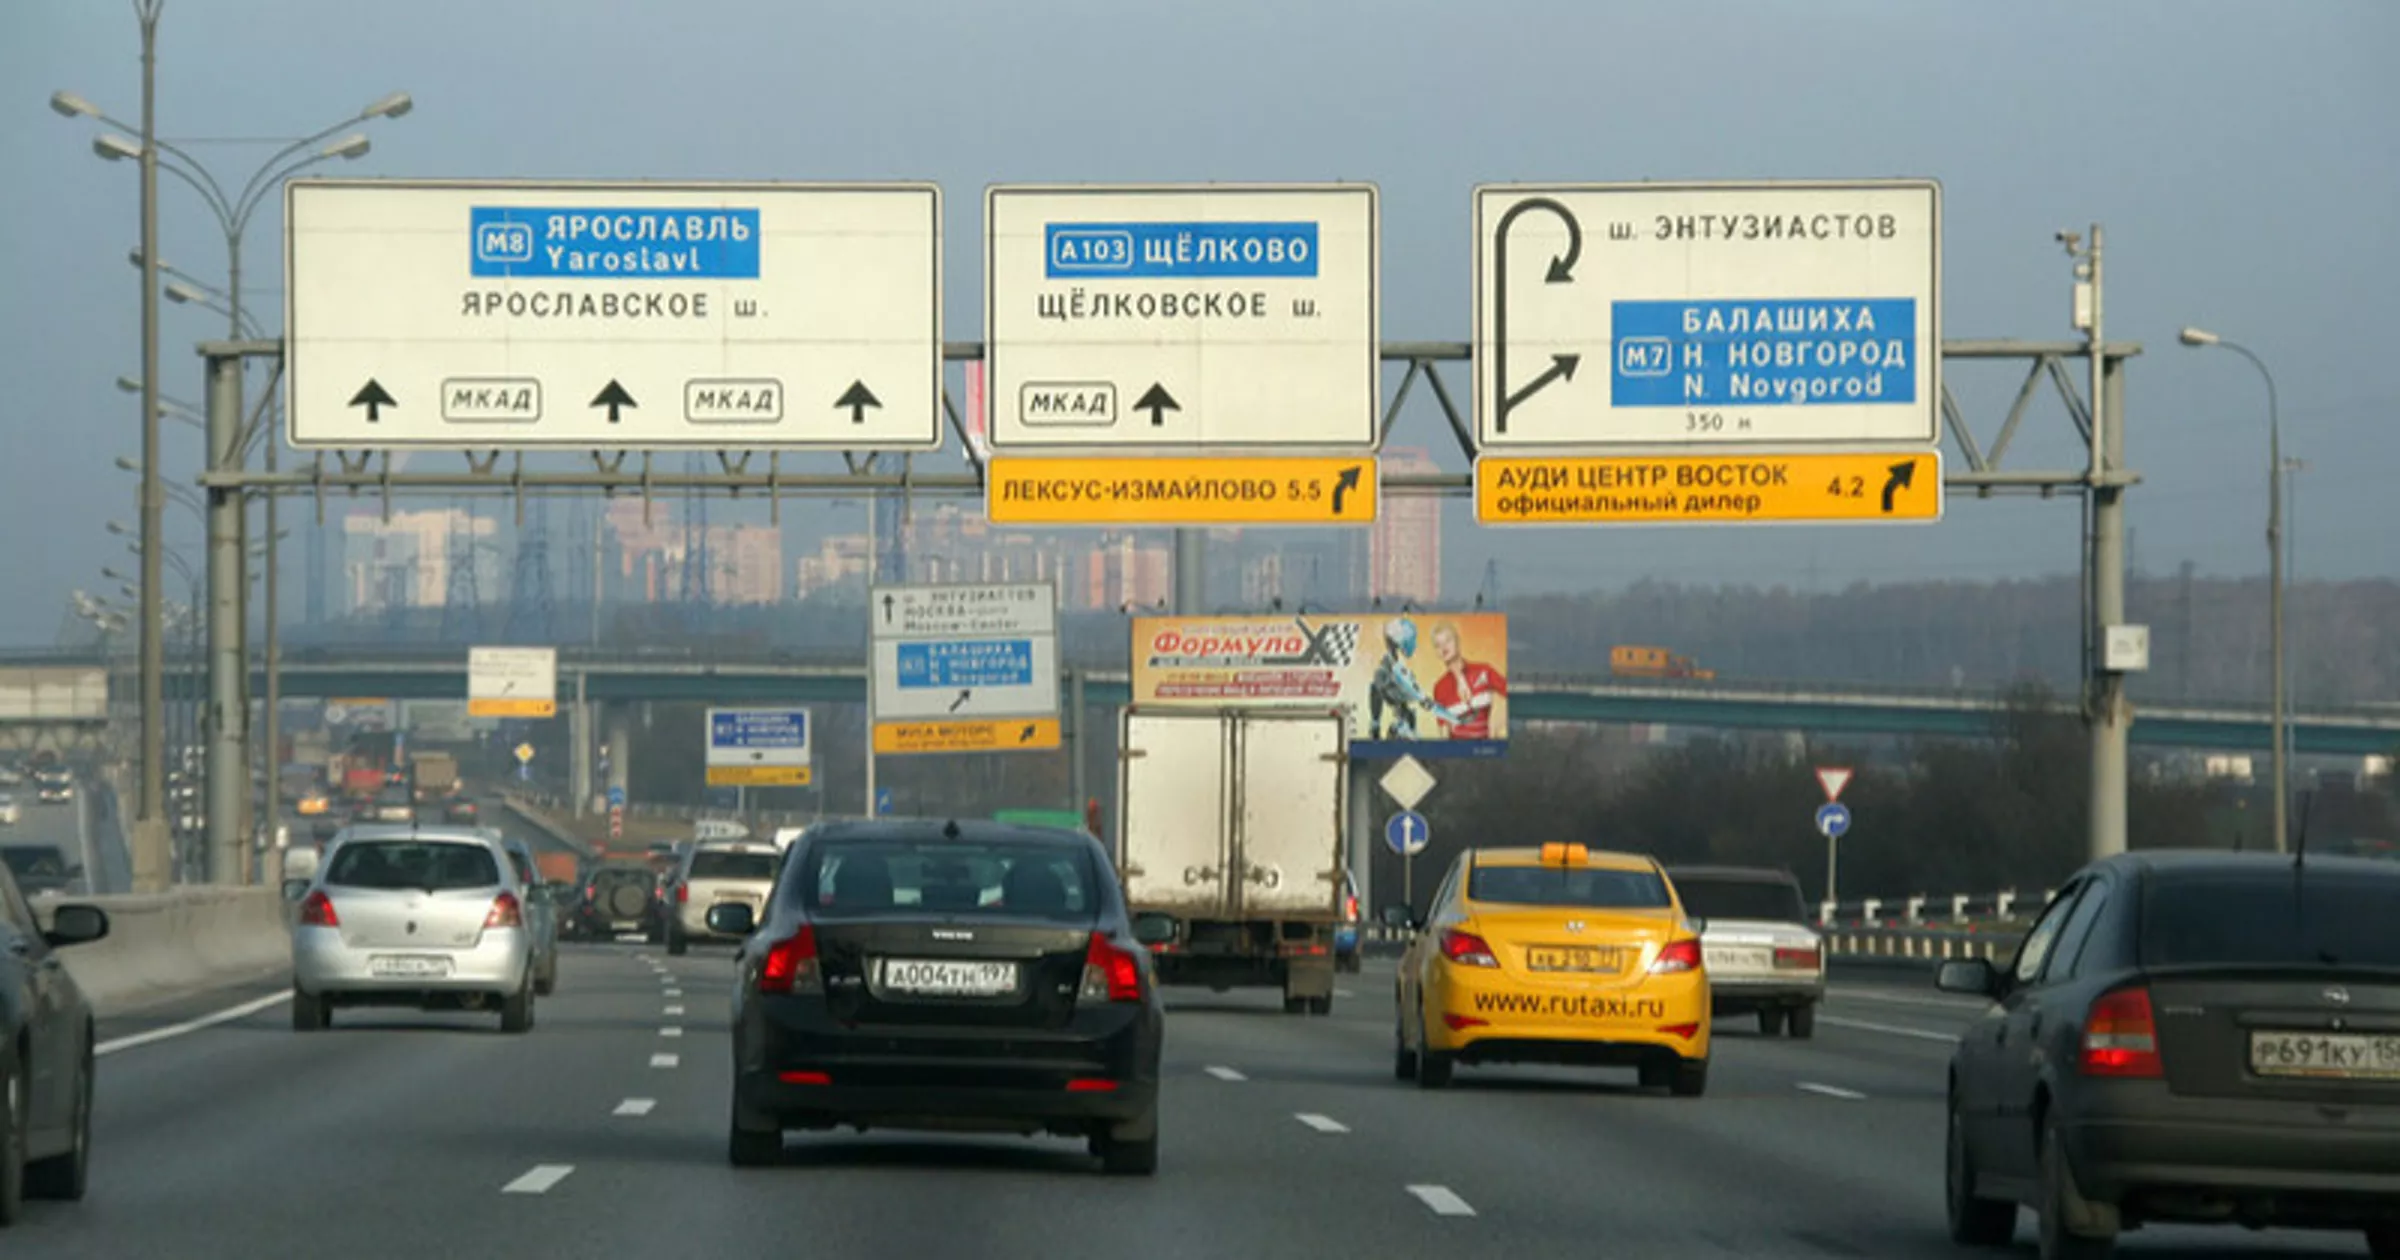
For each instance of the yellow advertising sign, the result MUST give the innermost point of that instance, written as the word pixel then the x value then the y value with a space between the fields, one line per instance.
pixel 1164 490
pixel 512 707
pixel 1690 489
pixel 974 735
pixel 760 776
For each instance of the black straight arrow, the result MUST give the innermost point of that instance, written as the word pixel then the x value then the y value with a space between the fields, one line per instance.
pixel 858 398
pixel 613 397
pixel 372 397
pixel 1562 368
pixel 1561 271
pixel 962 699
pixel 1902 477
pixel 1158 402
pixel 1343 484
pixel 887 610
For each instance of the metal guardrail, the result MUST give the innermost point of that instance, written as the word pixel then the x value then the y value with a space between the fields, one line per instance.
pixel 2008 905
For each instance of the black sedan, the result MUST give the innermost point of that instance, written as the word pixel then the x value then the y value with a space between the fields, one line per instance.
pixel 2186 1037
pixel 912 974
pixel 45 1054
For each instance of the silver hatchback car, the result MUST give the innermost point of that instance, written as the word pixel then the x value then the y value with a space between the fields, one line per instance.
pixel 423 917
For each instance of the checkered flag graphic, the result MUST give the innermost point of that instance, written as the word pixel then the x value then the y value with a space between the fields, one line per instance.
pixel 1340 641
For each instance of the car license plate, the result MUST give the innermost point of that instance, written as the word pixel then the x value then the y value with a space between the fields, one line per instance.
pixel 1573 958
pixel 937 978
pixel 2330 1056
pixel 410 966
pixel 1723 959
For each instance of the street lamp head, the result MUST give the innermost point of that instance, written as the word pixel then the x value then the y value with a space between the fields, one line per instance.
pixel 70 105
pixel 129 385
pixel 2198 337
pixel 392 106
pixel 354 145
pixel 111 146
pixel 114 576
pixel 179 292
pixel 127 465
pixel 118 528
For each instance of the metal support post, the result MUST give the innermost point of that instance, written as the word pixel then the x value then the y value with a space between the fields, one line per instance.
pixel 1191 573
pixel 153 847
pixel 2280 721
pixel 579 746
pixel 874 573
pixel 1078 750
pixel 1361 845
pixel 226 721
pixel 2111 712
pixel 273 662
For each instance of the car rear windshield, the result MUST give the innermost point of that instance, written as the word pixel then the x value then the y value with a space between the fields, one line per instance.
pixel 432 865
pixel 707 865
pixel 869 878
pixel 2273 918
pixel 1589 887
pixel 30 860
pixel 1716 897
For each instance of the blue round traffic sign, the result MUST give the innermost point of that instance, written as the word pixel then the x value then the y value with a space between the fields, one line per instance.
pixel 1833 818
pixel 1407 832
pixel 616 795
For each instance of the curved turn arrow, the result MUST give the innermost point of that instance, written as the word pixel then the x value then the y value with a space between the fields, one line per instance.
pixel 1902 477
pixel 1561 271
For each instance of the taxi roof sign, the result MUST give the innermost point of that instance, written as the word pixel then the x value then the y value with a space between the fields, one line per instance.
pixel 1556 854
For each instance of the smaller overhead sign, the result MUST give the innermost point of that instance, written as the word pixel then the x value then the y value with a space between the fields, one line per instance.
pixel 964 668
pixel 512 682
pixel 1160 491
pixel 1407 781
pixel 1407 832
pixel 1833 779
pixel 1781 488
pixel 994 735
pixel 758 748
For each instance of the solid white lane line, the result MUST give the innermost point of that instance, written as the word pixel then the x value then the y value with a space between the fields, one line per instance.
pixel 1226 1074
pixel 664 1060
pixel 673 1010
pixel 1322 1124
pixel 211 1020
pixel 1443 1200
pixel 1343 993
pixel 539 1180
pixel 635 1107
pixel 1830 1091
pixel 670 1031
pixel 1889 1030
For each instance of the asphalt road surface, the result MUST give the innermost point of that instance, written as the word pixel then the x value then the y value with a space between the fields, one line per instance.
pixel 602 1133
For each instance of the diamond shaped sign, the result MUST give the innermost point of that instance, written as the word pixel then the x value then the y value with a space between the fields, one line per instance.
pixel 1407 782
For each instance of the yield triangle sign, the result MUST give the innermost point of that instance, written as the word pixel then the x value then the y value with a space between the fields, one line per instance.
pixel 1833 779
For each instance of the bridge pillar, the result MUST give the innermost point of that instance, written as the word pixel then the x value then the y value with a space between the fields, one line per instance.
pixel 620 749
pixel 579 750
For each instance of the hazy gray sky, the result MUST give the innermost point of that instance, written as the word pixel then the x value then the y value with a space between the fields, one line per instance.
pixel 2243 156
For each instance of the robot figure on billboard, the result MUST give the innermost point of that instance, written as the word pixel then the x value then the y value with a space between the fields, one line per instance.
pixel 1395 695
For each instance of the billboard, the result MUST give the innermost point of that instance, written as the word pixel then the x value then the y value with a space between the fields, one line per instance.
pixel 1424 684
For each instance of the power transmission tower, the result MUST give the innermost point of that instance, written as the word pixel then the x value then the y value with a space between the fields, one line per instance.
pixel 399 587
pixel 697 590
pixel 462 599
pixel 529 606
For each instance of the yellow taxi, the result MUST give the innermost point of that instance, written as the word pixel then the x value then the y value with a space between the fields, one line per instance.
pixel 1560 954
pixel 313 804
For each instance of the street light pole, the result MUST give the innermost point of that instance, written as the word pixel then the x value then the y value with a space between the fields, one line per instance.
pixel 152 855
pixel 2280 721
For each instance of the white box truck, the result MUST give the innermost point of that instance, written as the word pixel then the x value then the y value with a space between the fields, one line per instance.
pixel 1230 839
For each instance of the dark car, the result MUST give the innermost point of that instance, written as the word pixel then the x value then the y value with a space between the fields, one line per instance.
pixel 45 1053
pixel 459 809
pixel 616 899
pixel 2186 1037
pixel 40 868
pixel 914 974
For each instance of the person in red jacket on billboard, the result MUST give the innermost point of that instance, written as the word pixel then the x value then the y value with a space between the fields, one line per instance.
pixel 1468 688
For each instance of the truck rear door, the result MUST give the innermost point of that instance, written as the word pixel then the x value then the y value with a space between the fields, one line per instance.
pixel 1174 809
pixel 1289 799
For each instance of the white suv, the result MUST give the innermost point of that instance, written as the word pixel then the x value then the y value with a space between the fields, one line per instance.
pixel 724 872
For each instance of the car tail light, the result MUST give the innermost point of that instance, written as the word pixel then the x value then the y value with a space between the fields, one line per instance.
pixel 1683 955
pixel 1110 974
pixel 505 912
pixel 1685 1031
pixel 1091 1085
pixel 1790 959
pixel 1457 1022
pixel 683 893
pixel 1350 907
pixel 791 965
pixel 1467 949
pixel 316 910
pixel 2120 1038
pixel 804 1078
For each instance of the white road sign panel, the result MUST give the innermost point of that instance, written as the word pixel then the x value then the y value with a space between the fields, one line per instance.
pixel 1407 782
pixel 1732 315
pixel 1217 316
pixel 962 653
pixel 498 315
pixel 1833 779
pixel 512 682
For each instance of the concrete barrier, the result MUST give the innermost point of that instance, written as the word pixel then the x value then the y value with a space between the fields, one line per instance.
pixel 165 945
pixel 541 821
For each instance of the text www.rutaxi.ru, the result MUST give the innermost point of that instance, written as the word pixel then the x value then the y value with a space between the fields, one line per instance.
pixel 1570 1005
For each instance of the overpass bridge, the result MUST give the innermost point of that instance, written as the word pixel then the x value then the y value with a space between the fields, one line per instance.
pixel 610 677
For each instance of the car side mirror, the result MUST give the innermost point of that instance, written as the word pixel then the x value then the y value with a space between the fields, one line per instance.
pixel 1153 929
pixel 76 925
pixel 731 919
pixel 1975 977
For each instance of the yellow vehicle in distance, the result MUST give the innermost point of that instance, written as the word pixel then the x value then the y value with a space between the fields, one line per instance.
pixel 1560 954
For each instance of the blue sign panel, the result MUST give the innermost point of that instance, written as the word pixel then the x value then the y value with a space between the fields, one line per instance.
pixel 746 729
pixel 1179 250
pixel 1407 832
pixel 616 796
pixel 1833 820
pixel 967 663
pixel 544 242
pixel 1767 352
pixel 883 801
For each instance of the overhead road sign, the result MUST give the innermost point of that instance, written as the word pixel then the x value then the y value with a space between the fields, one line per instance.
pixel 1777 488
pixel 758 748
pixel 1164 490
pixel 964 668
pixel 1164 316
pixel 512 682
pixel 500 315
pixel 1750 314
